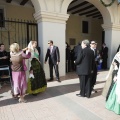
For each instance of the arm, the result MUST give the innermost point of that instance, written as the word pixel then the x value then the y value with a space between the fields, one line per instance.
pixel 26 56
pixel 93 62
pixel 5 55
pixel 47 54
pixel 79 58
pixel 58 54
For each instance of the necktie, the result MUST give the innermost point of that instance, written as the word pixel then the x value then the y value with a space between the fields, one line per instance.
pixel 50 49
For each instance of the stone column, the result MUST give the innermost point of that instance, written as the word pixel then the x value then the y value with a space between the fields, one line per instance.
pixel 112 39
pixel 52 26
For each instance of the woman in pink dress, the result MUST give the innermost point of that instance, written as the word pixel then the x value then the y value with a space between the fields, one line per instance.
pixel 18 70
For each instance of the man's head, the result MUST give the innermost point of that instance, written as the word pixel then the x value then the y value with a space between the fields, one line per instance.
pixel 85 43
pixel 93 44
pixel 2 47
pixel 50 42
pixel 104 45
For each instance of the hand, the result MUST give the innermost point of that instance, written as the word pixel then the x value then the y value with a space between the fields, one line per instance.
pixel 5 57
pixel 57 63
pixel 25 49
pixel 115 79
pixel 29 50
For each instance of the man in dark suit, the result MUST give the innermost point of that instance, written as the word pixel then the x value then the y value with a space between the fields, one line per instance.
pixel 104 56
pixel 77 49
pixel 54 59
pixel 93 46
pixel 84 62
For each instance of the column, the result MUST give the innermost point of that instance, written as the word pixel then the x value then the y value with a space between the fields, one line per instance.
pixel 52 26
pixel 112 39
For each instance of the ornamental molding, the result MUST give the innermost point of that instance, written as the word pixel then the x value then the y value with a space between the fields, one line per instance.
pixel 115 27
pixel 107 5
pixel 43 16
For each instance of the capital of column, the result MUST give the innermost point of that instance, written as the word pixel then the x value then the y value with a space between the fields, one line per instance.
pixel 43 16
pixel 115 27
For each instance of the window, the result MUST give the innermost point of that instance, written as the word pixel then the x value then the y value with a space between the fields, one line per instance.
pixel 85 27
pixel 1 17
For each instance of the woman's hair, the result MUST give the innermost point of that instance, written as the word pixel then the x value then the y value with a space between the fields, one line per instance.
pixel 14 47
pixel 33 41
pixel 117 63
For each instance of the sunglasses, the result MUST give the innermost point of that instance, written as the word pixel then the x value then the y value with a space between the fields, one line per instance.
pixel 93 43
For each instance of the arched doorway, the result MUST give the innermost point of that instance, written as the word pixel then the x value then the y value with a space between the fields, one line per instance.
pixel 85 22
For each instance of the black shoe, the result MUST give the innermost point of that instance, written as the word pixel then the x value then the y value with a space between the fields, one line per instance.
pixel 58 80
pixel 88 96
pixel 51 79
pixel 94 90
pixel 35 94
pixel 79 95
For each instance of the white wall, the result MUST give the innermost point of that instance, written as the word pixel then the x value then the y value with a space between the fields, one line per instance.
pixel 55 32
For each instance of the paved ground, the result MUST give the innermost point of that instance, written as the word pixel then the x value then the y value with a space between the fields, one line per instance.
pixel 59 102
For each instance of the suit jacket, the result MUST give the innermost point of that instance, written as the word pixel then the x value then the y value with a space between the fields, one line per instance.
pixel 85 61
pixel 105 53
pixel 95 62
pixel 4 61
pixel 54 57
pixel 77 49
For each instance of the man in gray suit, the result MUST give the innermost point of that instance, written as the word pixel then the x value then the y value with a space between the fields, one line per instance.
pixel 54 59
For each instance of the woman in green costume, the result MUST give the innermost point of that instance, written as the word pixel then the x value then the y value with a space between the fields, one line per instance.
pixel 113 100
pixel 36 76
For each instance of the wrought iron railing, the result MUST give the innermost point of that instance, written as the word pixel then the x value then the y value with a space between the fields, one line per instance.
pixel 20 31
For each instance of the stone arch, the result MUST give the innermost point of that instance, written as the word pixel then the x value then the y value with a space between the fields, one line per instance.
pixel 107 19
pixel 39 5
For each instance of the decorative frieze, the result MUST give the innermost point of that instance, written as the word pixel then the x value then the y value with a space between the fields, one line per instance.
pixel 43 16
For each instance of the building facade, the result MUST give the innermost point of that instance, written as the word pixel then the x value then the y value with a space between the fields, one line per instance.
pixel 55 22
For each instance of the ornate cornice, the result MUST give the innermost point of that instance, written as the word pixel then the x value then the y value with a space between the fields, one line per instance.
pixel 115 27
pixel 43 16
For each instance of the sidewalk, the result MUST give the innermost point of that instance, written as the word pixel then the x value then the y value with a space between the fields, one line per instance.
pixel 58 102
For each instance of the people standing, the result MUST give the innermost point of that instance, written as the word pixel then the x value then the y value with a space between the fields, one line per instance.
pixel 104 56
pixel 84 67
pixel 93 46
pixel 4 61
pixel 54 59
pixel 77 49
pixel 68 65
pixel 36 75
pixel 18 70
pixel 4 57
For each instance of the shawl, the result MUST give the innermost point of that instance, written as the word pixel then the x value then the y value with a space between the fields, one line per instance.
pixel 109 76
pixel 33 51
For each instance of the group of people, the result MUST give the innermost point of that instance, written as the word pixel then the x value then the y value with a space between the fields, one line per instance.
pixel 86 62
pixel 86 67
pixel 71 56
pixel 27 73
pixel 28 76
